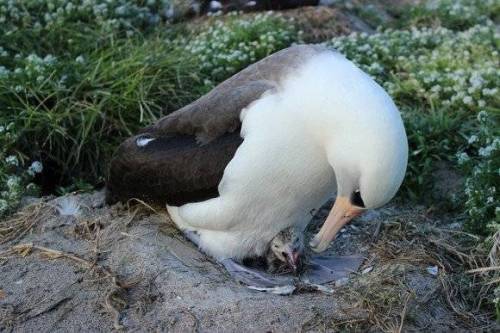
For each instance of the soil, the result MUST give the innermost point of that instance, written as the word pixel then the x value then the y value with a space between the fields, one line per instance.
pixel 103 268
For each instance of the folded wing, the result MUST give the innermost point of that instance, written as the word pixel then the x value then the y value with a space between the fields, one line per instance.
pixel 181 158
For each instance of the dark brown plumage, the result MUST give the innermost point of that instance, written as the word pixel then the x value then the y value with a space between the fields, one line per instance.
pixel 170 169
pixel 191 147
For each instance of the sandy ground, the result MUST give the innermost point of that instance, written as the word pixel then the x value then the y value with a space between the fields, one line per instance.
pixel 127 268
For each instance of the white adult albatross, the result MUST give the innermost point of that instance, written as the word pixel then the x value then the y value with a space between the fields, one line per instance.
pixel 313 124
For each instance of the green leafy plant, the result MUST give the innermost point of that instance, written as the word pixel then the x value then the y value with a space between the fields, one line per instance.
pixel 232 43
pixel 439 78
pixel 73 110
pixel 77 78
pixel 453 14
pixel 480 161
pixel 429 143
pixel 14 177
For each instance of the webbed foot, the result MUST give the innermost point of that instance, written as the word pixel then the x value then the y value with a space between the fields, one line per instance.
pixel 324 269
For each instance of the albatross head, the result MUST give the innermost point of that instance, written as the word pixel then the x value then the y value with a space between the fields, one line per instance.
pixel 369 160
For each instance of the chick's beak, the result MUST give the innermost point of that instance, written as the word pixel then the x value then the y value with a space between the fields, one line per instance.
pixel 342 212
pixel 293 258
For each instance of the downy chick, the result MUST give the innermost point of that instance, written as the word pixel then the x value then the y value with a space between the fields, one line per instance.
pixel 285 251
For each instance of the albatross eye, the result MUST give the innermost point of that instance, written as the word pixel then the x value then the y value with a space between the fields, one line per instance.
pixel 356 199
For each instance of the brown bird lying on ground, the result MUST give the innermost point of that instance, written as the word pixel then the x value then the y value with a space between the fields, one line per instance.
pixel 285 251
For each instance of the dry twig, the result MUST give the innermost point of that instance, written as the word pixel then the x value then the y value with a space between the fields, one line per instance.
pixel 117 285
pixel 403 313
pixel 23 221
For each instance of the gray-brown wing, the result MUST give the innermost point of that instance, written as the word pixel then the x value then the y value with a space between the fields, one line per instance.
pixel 218 111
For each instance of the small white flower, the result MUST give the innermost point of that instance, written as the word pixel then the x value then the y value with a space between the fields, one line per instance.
pixel 121 10
pixel 68 206
pixel 489 92
pixel 462 158
pixel 482 116
pixel 436 88
pixel 486 151
pixel 49 59
pixel 472 139
pixel 3 206
pixel 12 160
pixel 80 59
pixel 36 167
pixel 13 182
pixel 467 100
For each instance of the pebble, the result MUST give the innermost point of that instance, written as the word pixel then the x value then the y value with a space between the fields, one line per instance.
pixel 367 270
pixel 341 282
pixel 369 216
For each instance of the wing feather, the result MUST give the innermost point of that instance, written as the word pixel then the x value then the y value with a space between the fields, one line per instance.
pixel 181 158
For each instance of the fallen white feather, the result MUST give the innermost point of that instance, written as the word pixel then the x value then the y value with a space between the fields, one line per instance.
pixel 68 206
pixel 281 290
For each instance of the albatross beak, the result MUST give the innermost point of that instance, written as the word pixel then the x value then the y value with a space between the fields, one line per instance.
pixel 342 212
